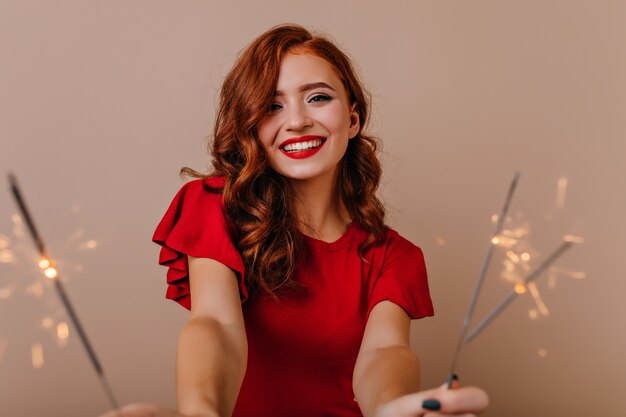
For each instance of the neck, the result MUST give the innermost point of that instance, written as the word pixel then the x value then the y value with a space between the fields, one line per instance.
pixel 319 207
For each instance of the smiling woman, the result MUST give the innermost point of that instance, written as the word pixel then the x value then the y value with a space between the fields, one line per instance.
pixel 300 296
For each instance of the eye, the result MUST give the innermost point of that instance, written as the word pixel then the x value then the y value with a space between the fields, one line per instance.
pixel 274 107
pixel 320 97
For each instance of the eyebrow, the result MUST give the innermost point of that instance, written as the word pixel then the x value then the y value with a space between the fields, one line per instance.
pixel 307 87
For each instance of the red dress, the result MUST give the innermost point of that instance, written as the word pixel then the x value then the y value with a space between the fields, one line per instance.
pixel 301 349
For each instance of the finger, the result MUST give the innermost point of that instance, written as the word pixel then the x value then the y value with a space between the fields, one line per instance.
pixel 452 382
pixel 463 400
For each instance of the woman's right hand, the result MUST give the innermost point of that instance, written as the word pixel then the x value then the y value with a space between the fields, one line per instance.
pixel 440 402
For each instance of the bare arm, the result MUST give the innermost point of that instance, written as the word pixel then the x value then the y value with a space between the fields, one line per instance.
pixel 212 348
pixel 386 376
pixel 386 368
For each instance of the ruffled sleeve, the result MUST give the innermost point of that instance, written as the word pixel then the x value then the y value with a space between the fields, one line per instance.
pixel 403 279
pixel 195 224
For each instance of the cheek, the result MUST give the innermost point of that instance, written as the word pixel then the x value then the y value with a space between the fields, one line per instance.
pixel 266 132
pixel 335 118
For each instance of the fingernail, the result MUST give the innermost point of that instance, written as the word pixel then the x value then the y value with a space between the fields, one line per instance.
pixel 431 405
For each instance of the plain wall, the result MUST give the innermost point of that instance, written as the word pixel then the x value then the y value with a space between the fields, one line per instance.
pixel 101 103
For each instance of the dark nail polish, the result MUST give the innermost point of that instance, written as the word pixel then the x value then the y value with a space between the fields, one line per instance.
pixel 431 405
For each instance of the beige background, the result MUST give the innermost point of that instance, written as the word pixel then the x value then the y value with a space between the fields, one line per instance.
pixel 102 102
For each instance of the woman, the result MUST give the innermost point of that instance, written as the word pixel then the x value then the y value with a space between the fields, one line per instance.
pixel 300 296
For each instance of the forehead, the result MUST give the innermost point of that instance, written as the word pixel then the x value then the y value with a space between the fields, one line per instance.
pixel 297 70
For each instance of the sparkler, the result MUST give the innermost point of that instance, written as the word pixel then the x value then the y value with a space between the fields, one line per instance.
pixel 519 289
pixel 47 266
pixel 481 276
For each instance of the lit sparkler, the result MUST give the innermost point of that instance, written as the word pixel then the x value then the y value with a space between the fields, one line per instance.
pixel 48 267
pixel 481 276
pixel 518 290
pixel 517 256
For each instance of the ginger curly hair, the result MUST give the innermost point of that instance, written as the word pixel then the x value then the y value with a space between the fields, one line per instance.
pixel 258 200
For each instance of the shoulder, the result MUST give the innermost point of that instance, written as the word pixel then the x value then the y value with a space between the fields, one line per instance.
pixel 392 244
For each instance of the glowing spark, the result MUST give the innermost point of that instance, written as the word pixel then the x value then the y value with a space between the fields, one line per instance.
pixel 18 225
pixel 567 272
pixel 37 355
pixel 542 353
pixel 4 242
pixel 573 239
pixel 494 218
pixel 520 288
pixel 47 323
pixel 440 241
pixel 532 313
pixel 44 263
pixel 525 256
pixel 6 292
pixel 90 244
pixel 534 291
pixel 7 256
pixel 560 192
pixel 512 256
pixel 509 265
pixel 63 331
pixel 504 241
pixel 51 272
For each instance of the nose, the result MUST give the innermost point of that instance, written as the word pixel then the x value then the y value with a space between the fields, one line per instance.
pixel 298 118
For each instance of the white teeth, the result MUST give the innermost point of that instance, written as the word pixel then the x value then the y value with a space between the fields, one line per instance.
pixel 303 146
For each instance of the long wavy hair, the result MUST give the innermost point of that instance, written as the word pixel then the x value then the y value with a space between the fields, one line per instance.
pixel 259 201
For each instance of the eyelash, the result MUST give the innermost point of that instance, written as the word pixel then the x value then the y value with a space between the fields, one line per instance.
pixel 322 97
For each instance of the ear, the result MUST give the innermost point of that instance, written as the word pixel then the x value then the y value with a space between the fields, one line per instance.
pixel 355 122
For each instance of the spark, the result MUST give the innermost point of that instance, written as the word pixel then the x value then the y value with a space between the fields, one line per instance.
pixel 520 288
pixel 543 309
pixel 51 272
pixel 37 355
pixel 513 256
pixel 533 314
pixel 47 322
pixel 44 263
pixel 573 239
pixel 4 242
pixel 18 225
pixel 7 256
pixel 6 292
pixel 63 331
pixel 560 192
pixel 90 244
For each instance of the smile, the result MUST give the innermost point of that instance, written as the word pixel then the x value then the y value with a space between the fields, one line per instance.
pixel 302 149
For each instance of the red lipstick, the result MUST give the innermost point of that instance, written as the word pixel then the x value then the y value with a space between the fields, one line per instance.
pixel 305 153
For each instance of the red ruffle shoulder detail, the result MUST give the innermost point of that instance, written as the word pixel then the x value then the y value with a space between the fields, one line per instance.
pixel 196 224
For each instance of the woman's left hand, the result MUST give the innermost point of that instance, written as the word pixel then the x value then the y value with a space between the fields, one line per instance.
pixel 438 402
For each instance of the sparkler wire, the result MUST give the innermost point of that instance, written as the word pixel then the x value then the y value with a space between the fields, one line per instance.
pixel 62 294
pixel 481 276
pixel 513 295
